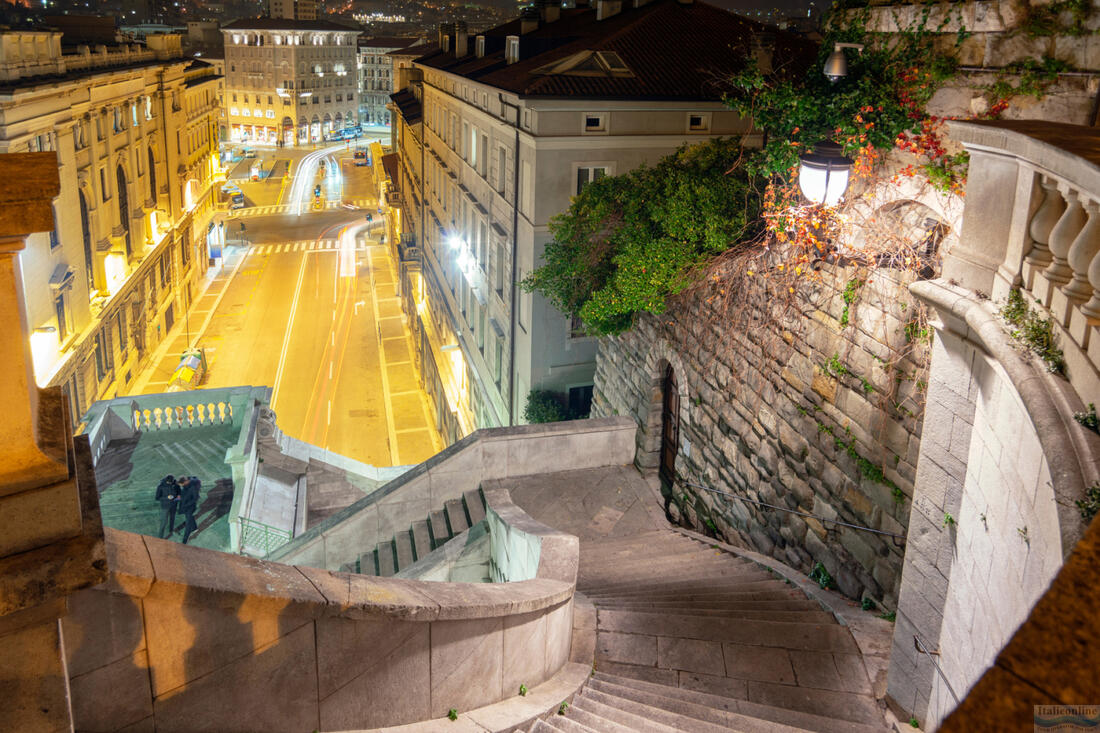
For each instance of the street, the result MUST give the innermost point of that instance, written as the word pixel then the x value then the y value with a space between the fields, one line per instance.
pixel 306 304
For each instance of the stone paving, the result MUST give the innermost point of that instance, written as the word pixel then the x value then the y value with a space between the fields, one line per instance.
pixel 129 471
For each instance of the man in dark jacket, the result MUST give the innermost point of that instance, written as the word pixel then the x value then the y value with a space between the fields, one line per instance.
pixel 189 502
pixel 168 496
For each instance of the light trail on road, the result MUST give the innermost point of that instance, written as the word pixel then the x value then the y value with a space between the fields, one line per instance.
pixel 302 188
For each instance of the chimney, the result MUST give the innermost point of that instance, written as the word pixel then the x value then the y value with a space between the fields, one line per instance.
pixel 461 39
pixel 446 30
pixel 606 8
pixel 511 49
pixel 479 46
pixel 528 20
pixel 549 10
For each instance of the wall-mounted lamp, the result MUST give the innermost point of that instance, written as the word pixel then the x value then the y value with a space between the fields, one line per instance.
pixel 836 66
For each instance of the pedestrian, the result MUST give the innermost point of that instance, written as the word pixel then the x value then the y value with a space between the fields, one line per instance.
pixel 189 502
pixel 168 495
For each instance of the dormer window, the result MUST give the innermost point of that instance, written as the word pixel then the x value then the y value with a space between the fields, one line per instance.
pixel 594 123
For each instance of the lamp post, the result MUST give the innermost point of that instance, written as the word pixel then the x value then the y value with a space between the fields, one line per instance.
pixel 836 66
pixel 823 174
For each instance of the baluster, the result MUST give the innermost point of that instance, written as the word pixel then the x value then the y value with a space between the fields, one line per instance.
pixel 1082 253
pixel 229 410
pixel 179 416
pixel 1062 237
pixel 1091 309
pixel 137 420
pixel 191 416
pixel 157 417
pixel 1046 216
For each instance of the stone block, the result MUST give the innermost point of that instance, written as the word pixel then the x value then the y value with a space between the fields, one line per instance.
pixel 372 672
pixel 112 696
pixel 636 649
pixel 758 663
pixel 100 629
pixel 692 655
pixel 274 688
pixel 34 688
pixel 559 630
pixel 129 563
pixel 466 663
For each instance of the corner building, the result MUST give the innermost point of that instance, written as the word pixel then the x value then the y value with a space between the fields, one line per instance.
pixel 134 129
pixel 497 132
pixel 289 82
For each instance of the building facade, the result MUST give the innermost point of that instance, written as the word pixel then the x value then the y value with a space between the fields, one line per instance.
pixel 496 134
pixel 376 76
pixel 135 133
pixel 293 9
pixel 289 82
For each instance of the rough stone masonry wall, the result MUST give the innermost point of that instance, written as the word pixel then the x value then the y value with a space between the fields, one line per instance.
pixel 770 415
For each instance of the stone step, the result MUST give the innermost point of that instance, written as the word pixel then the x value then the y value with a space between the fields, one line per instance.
pixel 776 592
pixel 422 539
pixel 676 714
pixel 456 516
pixel 805 617
pixel 641 557
pixel 386 565
pixel 777 634
pixel 607 708
pixel 564 724
pixel 403 546
pixel 692 571
pixel 797 719
pixel 828 703
pixel 475 506
pixel 437 523
pixel 730 606
pixel 718 581
pixel 368 563
pixel 590 717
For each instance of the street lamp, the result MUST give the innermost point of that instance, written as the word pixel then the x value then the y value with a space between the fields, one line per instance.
pixel 823 174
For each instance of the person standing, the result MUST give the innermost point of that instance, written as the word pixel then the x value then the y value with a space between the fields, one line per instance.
pixel 189 502
pixel 168 496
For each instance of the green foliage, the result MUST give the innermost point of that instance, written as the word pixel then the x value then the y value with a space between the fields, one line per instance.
pixel 948 520
pixel 851 290
pixel 1090 505
pixel 898 494
pixel 1088 418
pixel 1032 78
pixel 563 707
pixel 1036 332
pixel 628 242
pixel 452 714
pixel 870 106
pixel 868 470
pixel 890 616
pixel 913 722
pixel 821 576
pixel 544 406
pixel 868 604
pixel 523 690
pixel 1048 20
pixel 944 172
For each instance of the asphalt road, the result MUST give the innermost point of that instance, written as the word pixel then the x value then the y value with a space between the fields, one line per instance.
pixel 314 315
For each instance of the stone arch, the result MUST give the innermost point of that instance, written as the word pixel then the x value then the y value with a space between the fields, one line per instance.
pixel 648 437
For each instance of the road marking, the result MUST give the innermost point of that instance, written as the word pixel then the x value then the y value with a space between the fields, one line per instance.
pixel 328 420
pixel 289 329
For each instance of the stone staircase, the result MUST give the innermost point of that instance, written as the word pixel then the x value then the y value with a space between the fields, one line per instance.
pixel 424 536
pixel 692 638
pixel 128 473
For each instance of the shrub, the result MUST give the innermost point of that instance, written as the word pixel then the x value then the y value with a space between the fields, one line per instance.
pixel 544 406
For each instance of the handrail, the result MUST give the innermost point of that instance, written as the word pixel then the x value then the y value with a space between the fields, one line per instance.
pixel 849 525
pixel 920 646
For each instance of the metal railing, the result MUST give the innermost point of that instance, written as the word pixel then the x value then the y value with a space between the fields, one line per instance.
pixel 922 648
pixel 898 539
pixel 259 539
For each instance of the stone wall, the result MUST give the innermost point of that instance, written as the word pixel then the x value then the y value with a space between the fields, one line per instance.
pixel 994 511
pixel 802 416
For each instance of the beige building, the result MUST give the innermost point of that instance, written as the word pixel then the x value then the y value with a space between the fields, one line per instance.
pixel 376 76
pixel 135 132
pixel 496 134
pixel 289 81
pixel 293 9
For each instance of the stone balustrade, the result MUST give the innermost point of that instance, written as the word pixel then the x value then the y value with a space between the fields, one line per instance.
pixel 183 638
pixel 181 416
pixel 1035 225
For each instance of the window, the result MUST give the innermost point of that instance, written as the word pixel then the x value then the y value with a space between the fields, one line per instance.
pixel 165 266
pixel 271 114
pixel 122 340
pixel 55 241
pixel 586 175
pixel 102 357
pixel 64 318
pixel 498 369
pixel 498 279
pixel 594 123
pixel 484 154
pixel 104 192
pixel 580 400
pixel 699 123
pixel 502 158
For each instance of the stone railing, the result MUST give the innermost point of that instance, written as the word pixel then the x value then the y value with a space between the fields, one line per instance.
pixel 1002 460
pixel 484 454
pixel 191 639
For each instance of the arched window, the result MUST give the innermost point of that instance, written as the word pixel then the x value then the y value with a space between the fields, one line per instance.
pixel 85 230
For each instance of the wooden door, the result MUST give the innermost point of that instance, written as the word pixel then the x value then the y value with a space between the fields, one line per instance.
pixel 670 427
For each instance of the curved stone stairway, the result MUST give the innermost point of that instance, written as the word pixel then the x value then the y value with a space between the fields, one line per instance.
pixel 692 638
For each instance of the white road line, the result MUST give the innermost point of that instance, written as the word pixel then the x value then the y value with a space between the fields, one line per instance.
pixel 289 329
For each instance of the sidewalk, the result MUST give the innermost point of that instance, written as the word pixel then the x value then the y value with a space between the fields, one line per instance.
pixel 189 328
